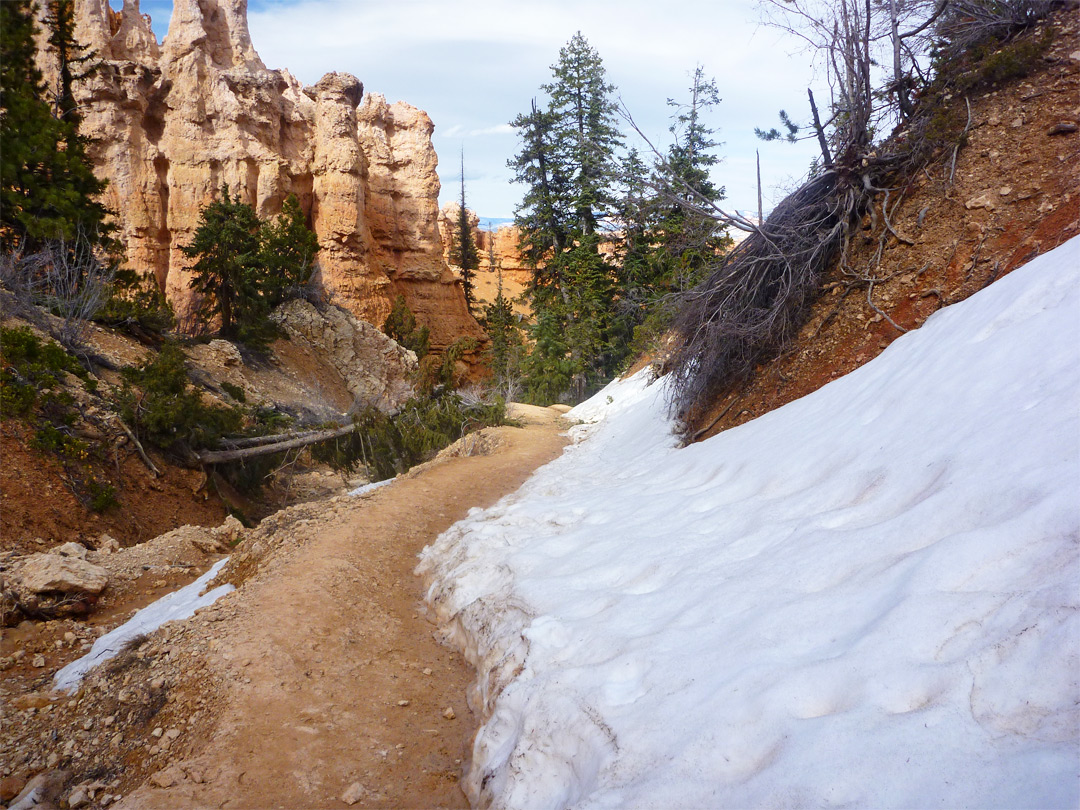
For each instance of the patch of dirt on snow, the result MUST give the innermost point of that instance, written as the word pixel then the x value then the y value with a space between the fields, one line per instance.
pixel 1015 194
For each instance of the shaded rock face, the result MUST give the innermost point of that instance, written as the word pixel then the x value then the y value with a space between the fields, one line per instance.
pixel 374 368
pixel 171 123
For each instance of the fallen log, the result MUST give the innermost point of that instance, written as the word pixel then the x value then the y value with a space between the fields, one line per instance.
pixel 255 441
pixel 277 446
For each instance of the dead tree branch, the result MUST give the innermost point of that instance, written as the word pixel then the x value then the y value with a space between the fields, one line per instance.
pixel 276 445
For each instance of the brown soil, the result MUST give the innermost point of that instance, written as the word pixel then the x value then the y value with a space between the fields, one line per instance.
pixel 1015 194
pixel 320 675
pixel 38 510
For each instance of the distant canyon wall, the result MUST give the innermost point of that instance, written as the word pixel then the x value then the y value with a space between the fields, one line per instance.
pixel 499 255
pixel 171 123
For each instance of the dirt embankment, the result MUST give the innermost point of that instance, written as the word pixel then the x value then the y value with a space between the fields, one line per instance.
pixel 1015 194
pixel 319 683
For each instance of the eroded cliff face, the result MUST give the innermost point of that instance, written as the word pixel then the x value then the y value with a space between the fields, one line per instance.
pixel 171 123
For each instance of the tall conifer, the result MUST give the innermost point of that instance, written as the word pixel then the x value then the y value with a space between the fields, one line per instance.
pixel 463 251
pixel 47 189
pixel 568 165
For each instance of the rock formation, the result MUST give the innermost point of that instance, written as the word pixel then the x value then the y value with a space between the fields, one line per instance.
pixel 171 123
pixel 50 586
pixel 373 368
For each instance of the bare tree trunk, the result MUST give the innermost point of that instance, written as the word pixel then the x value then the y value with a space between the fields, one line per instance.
pixel 822 142
pixel 276 446
pixel 760 216
pixel 900 83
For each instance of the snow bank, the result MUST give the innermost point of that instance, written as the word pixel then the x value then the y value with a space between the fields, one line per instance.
pixel 866 598
pixel 179 604
pixel 364 489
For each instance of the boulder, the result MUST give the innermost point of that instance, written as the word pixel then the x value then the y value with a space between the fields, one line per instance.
pixel 76 550
pixel 107 544
pixel 229 531
pixel 374 368
pixel 41 792
pixel 48 573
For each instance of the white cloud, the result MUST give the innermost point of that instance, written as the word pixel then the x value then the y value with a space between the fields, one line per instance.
pixel 474 65
pixel 458 131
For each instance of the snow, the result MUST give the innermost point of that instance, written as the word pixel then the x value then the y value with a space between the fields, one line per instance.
pixel 866 598
pixel 180 604
pixel 364 489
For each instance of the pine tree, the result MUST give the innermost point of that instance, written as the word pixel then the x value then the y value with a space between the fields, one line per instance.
pixel 286 253
pixel 226 270
pixel 74 60
pixel 400 325
pixel 47 189
pixel 501 325
pixel 244 267
pixel 463 251
pixel 549 370
pixel 688 241
pixel 586 129
pixel 542 214
pixel 568 165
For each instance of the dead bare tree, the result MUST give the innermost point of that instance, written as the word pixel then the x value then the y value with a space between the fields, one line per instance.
pixel 962 24
pixel 755 300
pixel 67 278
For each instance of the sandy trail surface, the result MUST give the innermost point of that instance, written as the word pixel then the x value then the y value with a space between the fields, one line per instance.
pixel 332 687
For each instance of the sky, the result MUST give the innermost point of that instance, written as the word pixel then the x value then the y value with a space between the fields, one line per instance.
pixel 474 65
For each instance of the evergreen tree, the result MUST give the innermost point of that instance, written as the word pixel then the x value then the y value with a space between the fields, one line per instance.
pixel 501 325
pixel 688 241
pixel 74 60
pixel 400 325
pixel 568 165
pixel 463 250
pixel 286 253
pixel 635 211
pixel 47 188
pixel 227 268
pixel 586 129
pixel 244 267
pixel 636 271
pixel 548 368
pixel 542 214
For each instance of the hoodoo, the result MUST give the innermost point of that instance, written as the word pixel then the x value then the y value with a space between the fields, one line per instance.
pixel 169 124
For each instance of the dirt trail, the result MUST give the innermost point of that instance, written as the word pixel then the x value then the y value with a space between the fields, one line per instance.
pixel 331 676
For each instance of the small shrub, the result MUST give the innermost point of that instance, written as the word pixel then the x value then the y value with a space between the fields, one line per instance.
pixel 51 439
pixel 991 61
pixel 400 325
pixel 158 400
pixel 102 496
pixel 435 371
pixel 137 306
pixel 32 367
pixel 388 445
pixel 234 391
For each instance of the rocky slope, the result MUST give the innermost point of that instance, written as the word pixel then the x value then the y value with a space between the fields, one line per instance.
pixel 171 122
pixel 323 636
pixel 330 363
pixel 1015 194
